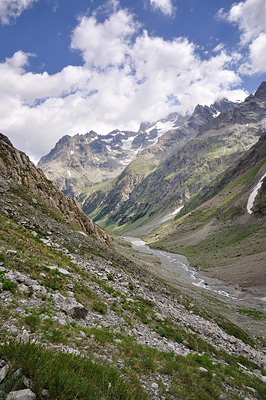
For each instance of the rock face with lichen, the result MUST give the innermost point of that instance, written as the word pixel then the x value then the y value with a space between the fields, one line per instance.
pixel 16 166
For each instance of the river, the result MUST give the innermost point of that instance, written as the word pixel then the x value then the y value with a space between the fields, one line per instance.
pixel 179 265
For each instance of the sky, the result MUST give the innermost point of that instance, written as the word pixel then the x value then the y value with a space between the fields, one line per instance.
pixel 71 66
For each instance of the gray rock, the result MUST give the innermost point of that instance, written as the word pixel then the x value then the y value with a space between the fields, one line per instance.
pixel 25 394
pixel 3 372
pixel 74 309
pixel 77 312
pixel 17 373
pixel 25 336
pixel 202 369
pixel 45 393
pixel 154 386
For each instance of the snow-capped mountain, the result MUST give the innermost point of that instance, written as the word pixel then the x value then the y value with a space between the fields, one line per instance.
pixel 77 162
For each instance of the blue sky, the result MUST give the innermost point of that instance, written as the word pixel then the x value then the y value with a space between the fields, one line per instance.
pixel 69 66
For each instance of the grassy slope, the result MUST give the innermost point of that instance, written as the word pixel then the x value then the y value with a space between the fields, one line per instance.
pixel 218 232
pixel 68 376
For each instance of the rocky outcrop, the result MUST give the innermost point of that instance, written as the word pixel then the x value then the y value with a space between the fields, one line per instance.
pixel 17 167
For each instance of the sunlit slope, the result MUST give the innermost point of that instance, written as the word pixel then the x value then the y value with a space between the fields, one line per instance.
pixel 215 229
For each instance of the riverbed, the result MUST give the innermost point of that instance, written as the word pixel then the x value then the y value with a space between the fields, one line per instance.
pixel 181 271
pixel 179 265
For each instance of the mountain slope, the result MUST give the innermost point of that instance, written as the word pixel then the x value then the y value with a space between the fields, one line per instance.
pixel 218 144
pixel 16 168
pixel 220 230
pixel 107 199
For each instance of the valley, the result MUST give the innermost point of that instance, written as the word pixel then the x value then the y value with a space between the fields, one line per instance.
pixel 168 302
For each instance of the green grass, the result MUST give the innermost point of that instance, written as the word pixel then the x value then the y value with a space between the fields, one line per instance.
pixel 247 177
pixel 68 377
pixel 252 312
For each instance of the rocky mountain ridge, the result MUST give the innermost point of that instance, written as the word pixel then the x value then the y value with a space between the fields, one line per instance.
pixel 80 161
pixel 110 197
pixel 216 145
pixel 17 169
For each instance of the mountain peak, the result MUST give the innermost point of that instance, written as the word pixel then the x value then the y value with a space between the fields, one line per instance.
pixel 261 91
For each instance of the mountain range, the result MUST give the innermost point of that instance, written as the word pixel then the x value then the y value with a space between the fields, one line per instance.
pixel 199 150
pixel 78 162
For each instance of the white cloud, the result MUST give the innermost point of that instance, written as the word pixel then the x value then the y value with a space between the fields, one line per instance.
pixel 257 56
pixel 127 77
pixel 250 17
pixel 12 9
pixel 165 6
pixel 111 36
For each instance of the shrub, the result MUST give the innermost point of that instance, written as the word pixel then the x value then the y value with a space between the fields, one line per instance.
pixel 11 286
pixel 99 307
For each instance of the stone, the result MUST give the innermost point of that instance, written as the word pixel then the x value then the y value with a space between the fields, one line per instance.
pixel 3 372
pixel 25 394
pixel 78 312
pixel 74 309
pixel 154 386
pixel 18 373
pixel 202 369
pixel 25 336
pixel 45 393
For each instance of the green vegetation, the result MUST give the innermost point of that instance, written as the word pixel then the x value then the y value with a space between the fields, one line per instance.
pixel 11 286
pixel 67 376
pixel 100 307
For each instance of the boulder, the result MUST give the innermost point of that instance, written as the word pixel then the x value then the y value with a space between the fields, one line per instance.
pixel 25 394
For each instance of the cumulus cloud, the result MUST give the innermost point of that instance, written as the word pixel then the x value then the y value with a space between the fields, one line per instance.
pixel 250 17
pixel 91 38
pixel 165 6
pixel 127 77
pixel 12 9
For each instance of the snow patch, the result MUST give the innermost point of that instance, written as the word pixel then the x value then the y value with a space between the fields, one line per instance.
pixel 162 128
pixel 177 211
pixel 107 140
pixel 127 143
pixel 72 152
pixel 253 195
pixel 69 173
pixel 171 215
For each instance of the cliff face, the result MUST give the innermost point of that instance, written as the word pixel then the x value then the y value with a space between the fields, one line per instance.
pixel 16 167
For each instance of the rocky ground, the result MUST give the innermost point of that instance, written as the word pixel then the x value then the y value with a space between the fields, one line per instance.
pixel 101 295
